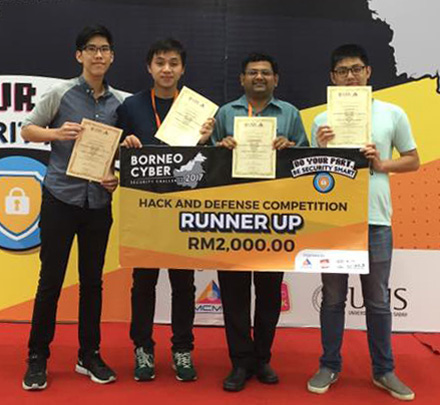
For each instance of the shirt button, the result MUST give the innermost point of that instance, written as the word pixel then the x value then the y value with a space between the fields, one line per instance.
pixel 96 115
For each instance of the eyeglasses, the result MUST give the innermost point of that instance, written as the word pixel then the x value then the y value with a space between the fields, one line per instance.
pixel 255 72
pixel 355 70
pixel 93 49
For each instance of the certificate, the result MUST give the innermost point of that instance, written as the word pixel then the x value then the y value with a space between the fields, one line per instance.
pixel 254 156
pixel 349 115
pixel 94 150
pixel 188 113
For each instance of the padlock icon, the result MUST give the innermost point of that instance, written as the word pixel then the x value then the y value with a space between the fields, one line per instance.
pixel 17 202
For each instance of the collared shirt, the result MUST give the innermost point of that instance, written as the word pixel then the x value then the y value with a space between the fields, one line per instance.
pixel 289 123
pixel 390 129
pixel 72 101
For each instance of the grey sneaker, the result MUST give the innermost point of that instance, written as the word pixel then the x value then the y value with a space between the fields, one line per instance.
pixel 390 382
pixel 321 381
pixel 143 365
pixel 184 367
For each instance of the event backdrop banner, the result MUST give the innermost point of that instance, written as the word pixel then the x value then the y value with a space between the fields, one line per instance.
pixel 218 34
pixel 181 208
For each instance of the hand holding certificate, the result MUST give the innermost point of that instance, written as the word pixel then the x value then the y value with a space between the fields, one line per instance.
pixel 254 156
pixel 349 115
pixel 94 150
pixel 186 117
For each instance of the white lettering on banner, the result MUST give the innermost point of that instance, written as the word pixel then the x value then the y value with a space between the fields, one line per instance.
pixel 239 222
pixel 150 171
pixel 315 164
pixel 163 159
pixel 154 165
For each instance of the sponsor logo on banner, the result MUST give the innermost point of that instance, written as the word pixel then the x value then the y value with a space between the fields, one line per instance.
pixel 209 300
pixel 307 264
pixel 21 179
pixel 324 263
pixel 285 298
pixel 332 261
pixel 355 302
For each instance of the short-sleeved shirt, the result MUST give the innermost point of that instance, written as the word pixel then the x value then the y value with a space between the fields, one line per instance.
pixel 289 123
pixel 72 101
pixel 390 129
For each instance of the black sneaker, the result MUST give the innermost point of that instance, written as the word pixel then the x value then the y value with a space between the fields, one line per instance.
pixel 36 374
pixel 143 365
pixel 95 368
pixel 183 366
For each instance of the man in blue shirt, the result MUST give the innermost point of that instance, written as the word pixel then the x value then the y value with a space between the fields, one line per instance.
pixel 259 78
pixel 390 130
pixel 73 206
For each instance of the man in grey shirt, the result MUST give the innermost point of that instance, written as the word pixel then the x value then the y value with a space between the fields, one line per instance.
pixel 73 206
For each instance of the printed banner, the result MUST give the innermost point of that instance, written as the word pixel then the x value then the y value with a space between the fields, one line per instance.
pixel 180 208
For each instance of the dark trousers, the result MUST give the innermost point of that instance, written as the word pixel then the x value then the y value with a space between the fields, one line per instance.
pixel 235 289
pixel 59 223
pixel 143 302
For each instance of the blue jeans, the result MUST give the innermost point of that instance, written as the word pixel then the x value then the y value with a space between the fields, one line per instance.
pixel 377 305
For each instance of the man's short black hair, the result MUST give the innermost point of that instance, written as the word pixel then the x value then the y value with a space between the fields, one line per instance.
pixel 89 32
pixel 166 45
pixel 348 51
pixel 259 57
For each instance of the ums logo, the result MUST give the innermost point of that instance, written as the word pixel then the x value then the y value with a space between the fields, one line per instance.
pixel 21 179
pixel 355 303
pixel 209 301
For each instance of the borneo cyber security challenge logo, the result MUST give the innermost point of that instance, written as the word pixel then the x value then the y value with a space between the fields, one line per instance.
pixel 159 168
pixel 209 301
pixel 21 179
pixel 323 166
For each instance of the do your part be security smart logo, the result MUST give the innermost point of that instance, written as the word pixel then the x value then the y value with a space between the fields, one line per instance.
pixel 21 179
pixel 322 167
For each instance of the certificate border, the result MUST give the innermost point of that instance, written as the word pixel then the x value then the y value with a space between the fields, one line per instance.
pixel 115 134
pixel 270 175
pixel 365 91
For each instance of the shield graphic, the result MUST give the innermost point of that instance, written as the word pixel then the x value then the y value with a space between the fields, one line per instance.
pixel 20 202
